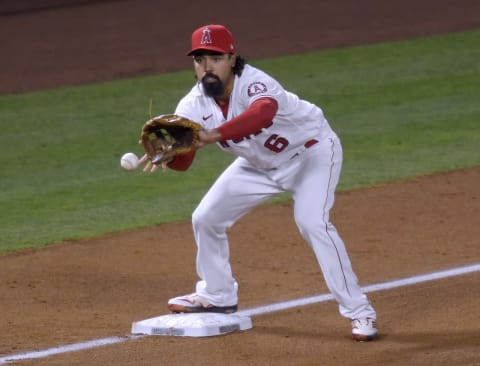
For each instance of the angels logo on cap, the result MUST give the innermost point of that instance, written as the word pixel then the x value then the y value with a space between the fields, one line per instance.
pixel 212 37
pixel 206 36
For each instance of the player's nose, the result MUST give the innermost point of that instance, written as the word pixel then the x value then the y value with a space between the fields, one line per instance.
pixel 208 64
pixel 208 69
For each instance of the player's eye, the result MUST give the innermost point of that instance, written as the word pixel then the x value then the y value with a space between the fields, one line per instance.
pixel 198 59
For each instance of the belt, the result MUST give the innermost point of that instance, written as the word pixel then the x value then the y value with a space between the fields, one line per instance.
pixel 306 145
pixel 310 143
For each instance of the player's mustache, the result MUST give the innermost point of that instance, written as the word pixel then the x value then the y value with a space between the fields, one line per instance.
pixel 210 76
pixel 212 85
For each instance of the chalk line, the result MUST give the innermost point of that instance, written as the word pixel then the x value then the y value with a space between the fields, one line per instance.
pixel 247 312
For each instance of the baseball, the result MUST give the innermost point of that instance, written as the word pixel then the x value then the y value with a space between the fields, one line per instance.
pixel 129 161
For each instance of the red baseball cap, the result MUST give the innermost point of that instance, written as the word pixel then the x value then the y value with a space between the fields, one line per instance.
pixel 212 37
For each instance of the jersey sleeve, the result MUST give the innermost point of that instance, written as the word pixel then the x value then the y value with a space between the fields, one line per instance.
pixel 261 85
pixel 257 116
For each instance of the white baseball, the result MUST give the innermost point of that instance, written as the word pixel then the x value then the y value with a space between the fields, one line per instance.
pixel 129 161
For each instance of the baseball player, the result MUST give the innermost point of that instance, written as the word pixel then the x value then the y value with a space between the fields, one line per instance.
pixel 282 144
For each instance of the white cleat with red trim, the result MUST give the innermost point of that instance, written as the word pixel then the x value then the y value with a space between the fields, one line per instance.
pixel 364 330
pixel 194 303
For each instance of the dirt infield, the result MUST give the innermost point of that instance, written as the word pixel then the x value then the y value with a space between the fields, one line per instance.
pixel 92 289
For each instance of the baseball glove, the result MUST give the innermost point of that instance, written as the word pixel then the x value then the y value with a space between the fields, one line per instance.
pixel 165 136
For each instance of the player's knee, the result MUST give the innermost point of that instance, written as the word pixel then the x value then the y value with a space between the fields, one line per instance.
pixel 310 225
pixel 198 216
pixel 204 216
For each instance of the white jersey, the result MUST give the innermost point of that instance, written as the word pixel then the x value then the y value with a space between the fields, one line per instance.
pixel 295 123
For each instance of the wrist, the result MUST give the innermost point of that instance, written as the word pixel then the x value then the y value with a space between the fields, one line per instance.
pixel 209 136
pixel 215 135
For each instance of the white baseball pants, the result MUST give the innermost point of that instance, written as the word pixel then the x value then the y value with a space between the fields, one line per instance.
pixel 311 177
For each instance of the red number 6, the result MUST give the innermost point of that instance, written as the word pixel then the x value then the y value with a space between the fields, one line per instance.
pixel 276 144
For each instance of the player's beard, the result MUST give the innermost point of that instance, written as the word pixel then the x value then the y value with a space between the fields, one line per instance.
pixel 212 85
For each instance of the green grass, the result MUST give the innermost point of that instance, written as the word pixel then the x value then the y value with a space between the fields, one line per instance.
pixel 401 109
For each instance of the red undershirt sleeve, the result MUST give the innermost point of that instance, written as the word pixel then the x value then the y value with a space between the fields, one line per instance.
pixel 182 162
pixel 257 116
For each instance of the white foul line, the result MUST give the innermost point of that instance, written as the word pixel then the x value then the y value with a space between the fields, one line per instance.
pixel 248 312
pixel 372 288
pixel 64 349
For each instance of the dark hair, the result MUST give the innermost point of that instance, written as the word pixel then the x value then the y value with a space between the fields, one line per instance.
pixel 239 65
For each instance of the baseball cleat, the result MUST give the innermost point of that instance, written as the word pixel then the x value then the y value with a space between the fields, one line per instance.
pixel 194 303
pixel 364 330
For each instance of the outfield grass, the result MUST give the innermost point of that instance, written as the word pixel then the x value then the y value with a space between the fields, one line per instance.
pixel 401 109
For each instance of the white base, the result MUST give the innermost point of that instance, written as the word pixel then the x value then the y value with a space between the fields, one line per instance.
pixel 192 325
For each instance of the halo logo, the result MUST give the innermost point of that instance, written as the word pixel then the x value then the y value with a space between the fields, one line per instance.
pixel 256 88
pixel 206 36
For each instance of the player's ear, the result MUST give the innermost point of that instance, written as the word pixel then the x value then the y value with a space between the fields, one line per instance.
pixel 233 60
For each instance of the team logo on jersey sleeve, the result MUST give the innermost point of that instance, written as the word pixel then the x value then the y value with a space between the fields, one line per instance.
pixel 256 88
